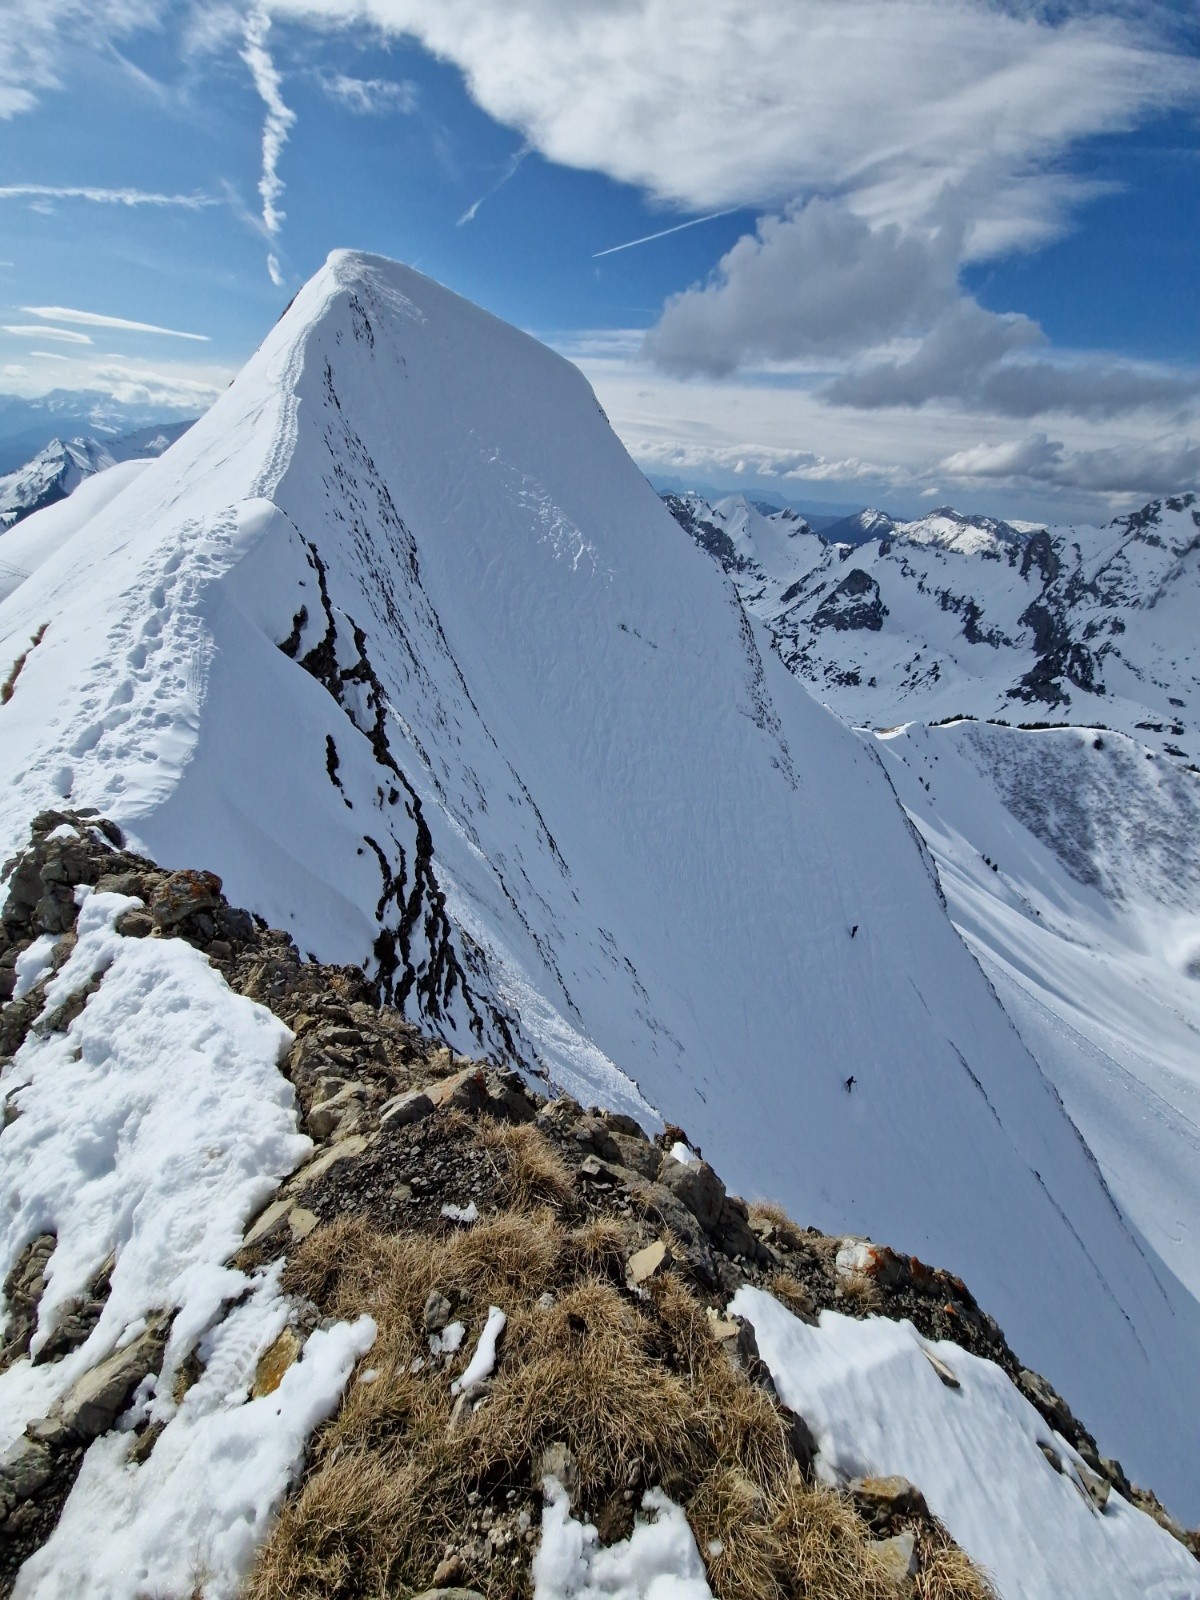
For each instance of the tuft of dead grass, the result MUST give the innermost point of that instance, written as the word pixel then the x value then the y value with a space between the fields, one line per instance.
pixel 946 1573
pixel 789 1291
pixel 862 1293
pixel 771 1211
pixel 638 1390
pixel 14 672
pixel 532 1171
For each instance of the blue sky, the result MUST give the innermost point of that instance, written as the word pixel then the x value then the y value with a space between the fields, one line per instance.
pixel 954 256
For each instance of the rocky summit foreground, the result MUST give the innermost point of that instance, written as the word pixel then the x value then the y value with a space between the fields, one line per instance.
pixel 542 1339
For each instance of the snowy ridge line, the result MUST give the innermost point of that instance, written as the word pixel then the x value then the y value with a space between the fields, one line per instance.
pixel 698 957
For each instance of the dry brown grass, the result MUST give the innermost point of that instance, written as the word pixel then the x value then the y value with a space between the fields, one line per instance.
pixel 10 682
pixel 946 1573
pixel 639 1392
pixel 789 1291
pixel 861 1293
pixel 771 1211
pixel 532 1173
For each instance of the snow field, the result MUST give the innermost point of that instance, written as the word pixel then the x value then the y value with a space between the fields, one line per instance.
pixel 148 1134
pixel 877 1407
pixel 1086 929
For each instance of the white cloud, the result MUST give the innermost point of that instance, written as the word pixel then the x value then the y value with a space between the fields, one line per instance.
pixel 891 141
pixel 185 386
pixel 757 462
pixel 818 281
pixel 95 319
pixel 37 38
pixel 39 193
pixel 135 385
pixel 968 356
pixel 369 97
pixel 35 330
pixel 1131 469
pixel 710 103
pixel 742 429
pixel 277 126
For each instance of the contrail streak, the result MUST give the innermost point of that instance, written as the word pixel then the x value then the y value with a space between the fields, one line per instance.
pixel 678 228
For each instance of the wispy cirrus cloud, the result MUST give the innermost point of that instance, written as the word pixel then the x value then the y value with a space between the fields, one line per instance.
pixel 511 167
pixel 38 38
pixel 369 97
pixel 37 330
pixel 97 319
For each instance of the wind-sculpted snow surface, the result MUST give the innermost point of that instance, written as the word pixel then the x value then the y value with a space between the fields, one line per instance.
pixel 399 641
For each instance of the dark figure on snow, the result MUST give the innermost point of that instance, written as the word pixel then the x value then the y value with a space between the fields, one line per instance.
pixel 849 1084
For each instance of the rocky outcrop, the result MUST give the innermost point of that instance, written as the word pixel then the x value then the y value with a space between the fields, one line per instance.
pixel 854 604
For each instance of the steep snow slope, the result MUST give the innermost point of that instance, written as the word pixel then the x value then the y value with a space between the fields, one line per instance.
pixel 59 469
pixel 24 548
pixel 398 640
pixel 1071 866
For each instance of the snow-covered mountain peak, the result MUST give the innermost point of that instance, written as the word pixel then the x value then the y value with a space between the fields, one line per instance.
pixel 399 641
pixel 951 530
pixel 950 615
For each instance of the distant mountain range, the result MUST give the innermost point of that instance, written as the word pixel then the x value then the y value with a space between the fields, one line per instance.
pixel 59 469
pixel 951 615
pixel 28 426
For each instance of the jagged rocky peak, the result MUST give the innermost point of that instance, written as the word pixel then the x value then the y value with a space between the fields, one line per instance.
pixel 399 642
pixel 975 615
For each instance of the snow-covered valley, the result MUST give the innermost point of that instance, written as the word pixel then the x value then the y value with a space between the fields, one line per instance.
pixel 399 641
